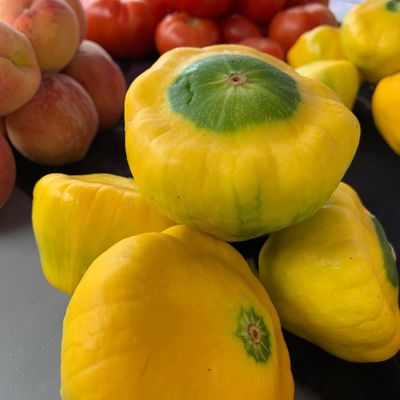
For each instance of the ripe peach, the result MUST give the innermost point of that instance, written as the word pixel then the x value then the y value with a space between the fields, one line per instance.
pixel 102 78
pixel 76 5
pixel 50 25
pixel 58 125
pixel 19 70
pixel 7 170
pixel 2 128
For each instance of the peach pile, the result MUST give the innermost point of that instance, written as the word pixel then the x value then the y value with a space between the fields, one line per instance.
pixel 57 90
pixel 20 73
pixel 71 122
pixel 95 70
pixel 7 168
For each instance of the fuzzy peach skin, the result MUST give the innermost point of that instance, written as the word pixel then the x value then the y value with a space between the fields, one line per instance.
pixel 58 125
pixel 102 78
pixel 76 5
pixel 50 25
pixel 2 128
pixel 19 70
pixel 7 170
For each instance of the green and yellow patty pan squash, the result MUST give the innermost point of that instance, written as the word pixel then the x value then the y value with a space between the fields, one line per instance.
pixel 370 36
pixel 173 316
pixel 76 218
pixel 233 142
pixel 334 282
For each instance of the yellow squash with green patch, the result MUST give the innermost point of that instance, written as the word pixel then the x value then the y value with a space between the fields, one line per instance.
pixel 233 142
pixel 334 282
pixel 76 218
pixel 170 316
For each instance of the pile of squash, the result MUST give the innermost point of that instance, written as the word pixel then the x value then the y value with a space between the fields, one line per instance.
pixel 365 48
pixel 225 144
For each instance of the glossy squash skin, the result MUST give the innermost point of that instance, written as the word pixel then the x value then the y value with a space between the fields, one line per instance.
pixel 320 43
pixel 77 217
pixel 334 282
pixel 370 36
pixel 172 316
pixel 385 106
pixel 341 76
pixel 233 142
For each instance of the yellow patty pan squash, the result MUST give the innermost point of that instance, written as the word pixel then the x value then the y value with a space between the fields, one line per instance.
pixel 334 282
pixel 76 218
pixel 233 142
pixel 386 110
pixel 320 43
pixel 173 316
pixel 341 76
pixel 370 36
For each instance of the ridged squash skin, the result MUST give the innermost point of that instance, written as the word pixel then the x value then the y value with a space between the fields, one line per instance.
pixel 370 36
pixel 77 217
pixel 334 282
pixel 385 106
pixel 341 76
pixel 233 142
pixel 320 43
pixel 165 316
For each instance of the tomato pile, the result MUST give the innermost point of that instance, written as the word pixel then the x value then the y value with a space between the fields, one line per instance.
pixel 132 29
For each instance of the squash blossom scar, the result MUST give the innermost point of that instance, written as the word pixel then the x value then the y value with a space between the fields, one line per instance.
pixel 254 335
pixel 236 79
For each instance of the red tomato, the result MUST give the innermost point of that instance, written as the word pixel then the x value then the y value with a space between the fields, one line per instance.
pixel 293 3
pixel 161 7
pixel 125 28
pixel 202 8
pixel 288 25
pixel 180 29
pixel 236 28
pixel 260 10
pixel 265 45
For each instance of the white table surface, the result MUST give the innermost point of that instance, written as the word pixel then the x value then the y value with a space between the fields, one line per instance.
pixel 31 311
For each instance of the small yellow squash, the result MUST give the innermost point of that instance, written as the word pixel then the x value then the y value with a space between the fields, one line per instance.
pixel 320 43
pixel 386 110
pixel 370 36
pixel 341 76
pixel 334 282
pixel 76 218
pixel 172 316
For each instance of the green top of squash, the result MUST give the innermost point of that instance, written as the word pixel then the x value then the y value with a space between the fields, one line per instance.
pixel 393 5
pixel 230 92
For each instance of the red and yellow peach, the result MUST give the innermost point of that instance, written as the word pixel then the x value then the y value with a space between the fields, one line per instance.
pixel 50 25
pixel 57 125
pixel 19 70
pixel 7 170
pixel 76 5
pixel 102 78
